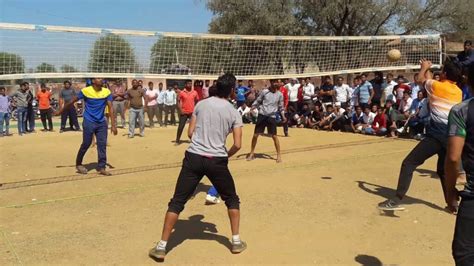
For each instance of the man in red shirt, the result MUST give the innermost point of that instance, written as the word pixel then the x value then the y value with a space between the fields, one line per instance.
pixel 44 100
pixel 187 99
pixel 284 91
pixel 400 88
pixel 198 84
pixel 379 126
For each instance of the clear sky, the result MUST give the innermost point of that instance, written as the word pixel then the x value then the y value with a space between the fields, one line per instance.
pixel 156 15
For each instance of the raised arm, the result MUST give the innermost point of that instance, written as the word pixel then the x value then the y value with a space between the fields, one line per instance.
pixel 425 72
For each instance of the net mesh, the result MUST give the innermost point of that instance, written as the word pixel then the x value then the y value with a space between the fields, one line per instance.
pixel 32 51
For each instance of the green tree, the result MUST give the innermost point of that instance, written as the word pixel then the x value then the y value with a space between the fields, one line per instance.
pixel 45 68
pixel 68 69
pixel 11 64
pixel 112 54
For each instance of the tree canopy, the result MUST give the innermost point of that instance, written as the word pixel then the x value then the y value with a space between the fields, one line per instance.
pixel 112 54
pixel 45 68
pixel 11 64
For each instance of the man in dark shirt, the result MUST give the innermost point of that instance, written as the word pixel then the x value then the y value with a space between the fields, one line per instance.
pixel 136 97
pixel 466 57
pixel 30 112
pixel 461 149
pixel 66 96
pixel 327 92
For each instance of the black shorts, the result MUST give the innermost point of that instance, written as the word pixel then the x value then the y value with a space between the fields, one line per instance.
pixel 463 242
pixel 268 122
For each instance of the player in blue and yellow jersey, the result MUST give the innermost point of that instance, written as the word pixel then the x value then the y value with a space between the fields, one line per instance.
pixel 96 98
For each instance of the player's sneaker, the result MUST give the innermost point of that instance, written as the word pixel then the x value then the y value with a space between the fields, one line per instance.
pixel 391 205
pixel 158 254
pixel 212 199
pixel 239 248
pixel 401 130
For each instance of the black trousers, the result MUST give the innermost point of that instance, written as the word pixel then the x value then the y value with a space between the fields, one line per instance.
pixel 182 122
pixel 46 114
pixel 426 148
pixel 194 168
pixel 463 242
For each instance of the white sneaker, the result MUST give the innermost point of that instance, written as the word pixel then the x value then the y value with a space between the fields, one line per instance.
pixel 212 200
pixel 400 130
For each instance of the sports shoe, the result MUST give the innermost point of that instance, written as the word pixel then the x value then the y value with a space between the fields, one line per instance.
pixel 102 171
pixel 158 254
pixel 238 248
pixel 391 205
pixel 81 169
pixel 400 130
pixel 212 199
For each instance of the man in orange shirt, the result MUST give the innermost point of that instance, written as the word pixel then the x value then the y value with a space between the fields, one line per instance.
pixel 44 100
pixel 284 91
pixel 442 96
pixel 187 99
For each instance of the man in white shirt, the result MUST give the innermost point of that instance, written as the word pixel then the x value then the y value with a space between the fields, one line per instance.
pixel 292 88
pixel 308 92
pixel 368 117
pixel 405 103
pixel 415 88
pixel 387 93
pixel 343 92
pixel 169 102
pixel 152 105
pixel 161 103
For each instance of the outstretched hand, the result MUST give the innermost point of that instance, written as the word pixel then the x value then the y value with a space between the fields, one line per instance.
pixel 425 63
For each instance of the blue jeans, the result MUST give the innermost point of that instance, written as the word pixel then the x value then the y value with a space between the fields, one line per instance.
pixel 100 131
pixel 21 119
pixel 4 118
pixel 213 192
pixel 380 132
pixel 132 118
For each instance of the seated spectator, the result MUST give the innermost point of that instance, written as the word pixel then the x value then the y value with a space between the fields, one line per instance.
pixel 414 123
pixel 248 115
pixel 304 115
pixel 379 125
pixel 328 118
pixel 316 117
pixel 357 120
pixel 336 123
pixel 405 104
pixel 394 118
pixel 346 120
pixel 368 118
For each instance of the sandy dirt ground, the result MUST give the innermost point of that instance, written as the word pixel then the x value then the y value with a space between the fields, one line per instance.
pixel 317 207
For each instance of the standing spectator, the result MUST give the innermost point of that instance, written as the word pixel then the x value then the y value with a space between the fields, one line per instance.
pixel 118 94
pixel 269 102
pixel 44 102
pixel 355 92
pixel 377 85
pixel 365 92
pixel 379 125
pixel 241 93
pixel 136 97
pixel 343 93
pixel 198 84
pixel 205 89
pixel 388 89
pixel 442 95
pixel 152 106
pixel 400 88
pixel 327 93
pixel 170 100
pixel 187 100
pixel 308 92
pixel 253 93
pixel 292 88
pixel 20 99
pixel 414 87
pixel 30 112
pixel 245 113
pixel 466 57
pixel 284 92
pixel 65 97
pixel 161 103
pixel 4 114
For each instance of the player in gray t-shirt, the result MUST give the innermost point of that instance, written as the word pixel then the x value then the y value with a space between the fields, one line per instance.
pixel 213 119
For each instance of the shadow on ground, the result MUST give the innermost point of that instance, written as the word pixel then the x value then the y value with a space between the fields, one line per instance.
pixel 388 193
pixel 367 260
pixel 257 156
pixel 195 228
pixel 426 172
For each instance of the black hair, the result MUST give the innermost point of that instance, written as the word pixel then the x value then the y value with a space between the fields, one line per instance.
pixel 329 106
pixel 24 83
pixel 150 83
pixel 453 71
pixel 225 85
pixel 43 85
pixel 188 80
pixel 273 80
pixel 67 82
pixel 468 42
pixel 2 88
pixel 161 83
pixel 363 74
